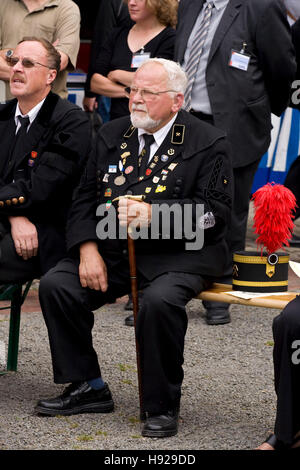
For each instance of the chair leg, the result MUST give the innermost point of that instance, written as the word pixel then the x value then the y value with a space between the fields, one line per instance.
pixel 14 330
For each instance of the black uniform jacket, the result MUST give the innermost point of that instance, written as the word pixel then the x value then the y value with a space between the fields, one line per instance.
pixel 191 167
pixel 39 182
pixel 242 100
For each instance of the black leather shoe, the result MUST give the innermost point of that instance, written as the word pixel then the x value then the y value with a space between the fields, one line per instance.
pixel 129 304
pixel 78 398
pixel 129 321
pixel 164 425
pixel 217 316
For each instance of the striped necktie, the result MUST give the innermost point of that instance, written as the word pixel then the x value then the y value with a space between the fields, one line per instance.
pixel 145 153
pixel 196 51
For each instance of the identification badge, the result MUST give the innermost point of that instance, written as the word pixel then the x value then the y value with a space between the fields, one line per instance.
pixel 139 58
pixel 239 60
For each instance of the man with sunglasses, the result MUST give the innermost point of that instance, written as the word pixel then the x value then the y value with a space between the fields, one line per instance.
pixel 44 142
pixel 178 165
pixel 58 21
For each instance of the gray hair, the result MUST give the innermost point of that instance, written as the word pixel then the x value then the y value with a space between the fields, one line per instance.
pixel 177 78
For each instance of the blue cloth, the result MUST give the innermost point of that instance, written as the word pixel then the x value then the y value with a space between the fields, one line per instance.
pixel 97 383
pixel 283 150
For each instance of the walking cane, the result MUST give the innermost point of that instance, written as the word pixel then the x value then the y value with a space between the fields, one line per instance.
pixel 135 301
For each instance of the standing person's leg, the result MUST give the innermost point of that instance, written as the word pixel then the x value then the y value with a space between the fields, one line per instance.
pixel 217 313
pixel 161 328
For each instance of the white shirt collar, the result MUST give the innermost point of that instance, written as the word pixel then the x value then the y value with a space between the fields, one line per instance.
pixel 159 136
pixel 32 114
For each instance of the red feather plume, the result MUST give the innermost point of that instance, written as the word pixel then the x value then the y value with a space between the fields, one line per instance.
pixel 274 205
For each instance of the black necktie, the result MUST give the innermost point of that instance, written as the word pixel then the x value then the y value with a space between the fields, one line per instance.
pixel 145 153
pixel 18 142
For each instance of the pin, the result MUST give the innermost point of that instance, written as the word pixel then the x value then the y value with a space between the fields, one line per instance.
pixel 164 158
pixel 123 145
pixel 112 169
pixel 155 179
pixel 119 180
pixel 164 177
pixel 105 178
pixel 125 154
pixel 141 178
pixel 164 172
pixel 148 190
pixel 172 166
pixel 30 162
pixel 155 158
pixel 107 192
pixel 128 170
pixel 160 188
pixel 148 171
pixel 171 152
pixel 108 204
pixel 34 154
pixel 152 165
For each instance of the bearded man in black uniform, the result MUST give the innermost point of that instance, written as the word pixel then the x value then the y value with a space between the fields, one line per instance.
pixel 44 142
pixel 185 164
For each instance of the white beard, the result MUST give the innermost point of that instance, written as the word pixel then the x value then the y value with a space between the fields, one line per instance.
pixel 143 121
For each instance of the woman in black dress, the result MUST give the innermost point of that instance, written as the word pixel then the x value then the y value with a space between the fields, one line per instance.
pixel 152 35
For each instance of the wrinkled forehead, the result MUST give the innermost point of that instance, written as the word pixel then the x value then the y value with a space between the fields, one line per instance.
pixel 31 49
pixel 151 76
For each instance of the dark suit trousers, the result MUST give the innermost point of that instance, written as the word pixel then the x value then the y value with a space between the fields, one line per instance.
pixel 13 268
pixel 161 327
pixel 286 355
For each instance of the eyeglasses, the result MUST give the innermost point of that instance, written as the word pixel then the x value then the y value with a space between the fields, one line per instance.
pixel 27 63
pixel 147 95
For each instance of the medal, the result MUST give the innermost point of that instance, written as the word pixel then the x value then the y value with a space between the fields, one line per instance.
pixel 164 158
pixel 119 180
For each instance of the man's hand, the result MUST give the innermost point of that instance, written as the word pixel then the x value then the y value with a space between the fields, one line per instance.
pixel 89 104
pixel 92 269
pixel 25 237
pixel 135 213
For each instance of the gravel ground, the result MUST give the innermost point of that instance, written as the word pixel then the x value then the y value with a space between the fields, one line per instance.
pixel 228 399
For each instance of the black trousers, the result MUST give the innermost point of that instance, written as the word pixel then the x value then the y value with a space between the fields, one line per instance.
pixel 286 355
pixel 161 327
pixel 13 268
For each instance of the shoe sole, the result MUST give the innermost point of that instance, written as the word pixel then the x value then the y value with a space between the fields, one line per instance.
pixel 159 433
pixel 107 408
pixel 218 322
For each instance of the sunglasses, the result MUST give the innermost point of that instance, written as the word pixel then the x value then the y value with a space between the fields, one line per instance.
pixel 26 63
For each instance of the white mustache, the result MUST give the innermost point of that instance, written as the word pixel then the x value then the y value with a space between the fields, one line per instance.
pixel 138 107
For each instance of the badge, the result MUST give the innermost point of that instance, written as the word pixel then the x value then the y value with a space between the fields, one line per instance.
pixel 30 162
pixel 160 188
pixel 148 190
pixel 112 169
pixel 239 60
pixel 34 154
pixel 164 158
pixel 107 192
pixel 164 177
pixel 128 170
pixel 108 204
pixel 164 172
pixel 155 179
pixel 152 165
pixel 123 145
pixel 172 166
pixel 139 58
pixel 141 178
pixel 207 220
pixel 148 171
pixel 105 178
pixel 155 158
pixel 171 152
pixel 119 180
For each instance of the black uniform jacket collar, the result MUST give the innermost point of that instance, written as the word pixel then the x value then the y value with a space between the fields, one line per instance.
pixel 195 6
pixel 180 141
pixel 35 133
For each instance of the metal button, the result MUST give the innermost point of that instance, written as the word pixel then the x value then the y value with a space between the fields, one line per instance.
pixel 1 203
pixel 21 199
pixel 125 252
pixel 14 200
pixel 8 202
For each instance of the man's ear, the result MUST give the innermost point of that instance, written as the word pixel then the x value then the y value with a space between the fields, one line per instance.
pixel 51 76
pixel 178 102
